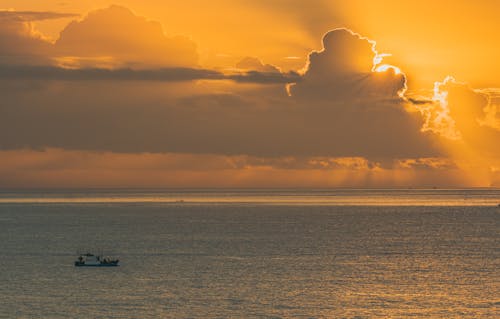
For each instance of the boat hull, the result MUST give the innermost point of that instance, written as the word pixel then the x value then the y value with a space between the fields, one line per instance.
pixel 111 264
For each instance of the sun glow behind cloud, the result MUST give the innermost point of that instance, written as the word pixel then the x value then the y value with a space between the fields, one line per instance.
pixel 437 114
pixel 386 67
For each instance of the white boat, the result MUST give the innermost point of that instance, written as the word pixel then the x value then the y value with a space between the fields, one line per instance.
pixel 91 260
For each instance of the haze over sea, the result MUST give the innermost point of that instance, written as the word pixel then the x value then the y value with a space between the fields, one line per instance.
pixel 225 253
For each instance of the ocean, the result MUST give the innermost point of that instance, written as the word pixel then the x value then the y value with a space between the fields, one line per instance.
pixel 223 253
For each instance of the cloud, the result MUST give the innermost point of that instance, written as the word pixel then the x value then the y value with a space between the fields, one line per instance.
pixel 111 37
pixel 160 74
pixel 28 16
pixel 458 112
pixel 114 83
pixel 98 74
pixel 440 163
pixel 265 77
pixel 133 40
pixel 339 107
pixel 204 118
pixel 468 121
pixel 345 69
pixel 63 168
pixel 19 41
pixel 254 64
pixel 492 109
pixel 362 103
pixel 314 121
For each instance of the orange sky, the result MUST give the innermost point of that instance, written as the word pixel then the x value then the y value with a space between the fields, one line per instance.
pixel 128 93
pixel 429 39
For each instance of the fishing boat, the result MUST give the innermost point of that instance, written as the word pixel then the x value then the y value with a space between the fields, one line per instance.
pixel 91 260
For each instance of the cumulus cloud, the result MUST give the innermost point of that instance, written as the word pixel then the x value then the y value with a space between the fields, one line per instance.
pixel 317 120
pixel 467 120
pixel 344 69
pixel 363 106
pixel 118 32
pixel 459 112
pixel 251 63
pixel 111 37
pixel 19 41
pixel 492 109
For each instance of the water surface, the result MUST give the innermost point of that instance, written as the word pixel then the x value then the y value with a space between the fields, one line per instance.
pixel 238 255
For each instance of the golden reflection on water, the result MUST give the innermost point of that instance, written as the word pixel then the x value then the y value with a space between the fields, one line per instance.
pixel 486 197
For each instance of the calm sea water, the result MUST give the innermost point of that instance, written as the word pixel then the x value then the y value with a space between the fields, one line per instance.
pixel 252 254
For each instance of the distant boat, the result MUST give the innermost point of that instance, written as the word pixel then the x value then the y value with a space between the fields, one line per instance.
pixel 91 260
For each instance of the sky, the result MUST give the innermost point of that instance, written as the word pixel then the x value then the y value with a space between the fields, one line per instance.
pixel 249 94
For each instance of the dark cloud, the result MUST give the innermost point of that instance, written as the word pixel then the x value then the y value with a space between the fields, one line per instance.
pixel 140 117
pixel 337 108
pixel 27 16
pixel 95 74
pixel 161 75
pixel 420 101
pixel 19 43
pixel 265 77
pixel 364 108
